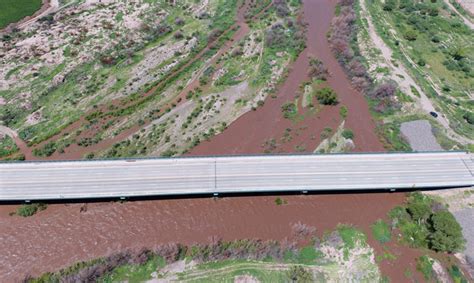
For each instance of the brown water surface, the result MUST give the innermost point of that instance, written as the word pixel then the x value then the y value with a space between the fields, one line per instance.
pixel 61 235
pixel 249 132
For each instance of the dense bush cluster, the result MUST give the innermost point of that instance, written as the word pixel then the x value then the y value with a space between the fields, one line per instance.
pixel 286 35
pixel 341 39
pixel 469 117
pixel 289 110
pixel 299 274
pixel 343 29
pixel 281 8
pixel 45 151
pixel 384 94
pixel 419 18
pixel 426 223
pixel 26 210
pixel 317 70
pixel 217 250
pixel 326 96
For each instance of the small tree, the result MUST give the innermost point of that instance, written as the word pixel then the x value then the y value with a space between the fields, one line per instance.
pixel 410 35
pixel 458 53
pixel 348 134
pixel 317 69
pixel 419 211
pixel 327 96
pixel 299 274
pixel 390 5
pixel 419 207
pixel 447 233
pixel 469 117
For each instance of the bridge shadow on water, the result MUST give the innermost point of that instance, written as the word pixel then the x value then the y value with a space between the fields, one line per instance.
pixel 227 195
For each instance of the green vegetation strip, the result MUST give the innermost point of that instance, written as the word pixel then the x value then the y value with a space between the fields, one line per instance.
pixel 12 11
pixel 424 223
pixel 266 261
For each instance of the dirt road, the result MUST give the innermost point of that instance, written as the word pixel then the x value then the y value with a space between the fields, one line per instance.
pixel 466 21
pixel 24 149
pixel 403 78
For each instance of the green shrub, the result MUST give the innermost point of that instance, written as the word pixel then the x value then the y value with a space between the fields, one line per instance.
pixel 7 146
pixel 421 227
pixel 326 133
pixel 410 35
pixel 289 110
pixel 390 5
pixel 343 112
pixel 447 233
pixel 469 117
pixel 280 201
pixel 307 255
pixel 327 96
pixel 424 264
pixel 456 275
pixel 47 150
pixel 381 231
pixel 26 210
pixel 299 274
pixel 414 235
pixel 348 134
pixel 419 207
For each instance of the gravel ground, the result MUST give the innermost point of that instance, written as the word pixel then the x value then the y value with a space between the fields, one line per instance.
pixel 465 217
pixel 419 135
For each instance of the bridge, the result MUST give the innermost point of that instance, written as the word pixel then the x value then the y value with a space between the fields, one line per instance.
pixel 56 180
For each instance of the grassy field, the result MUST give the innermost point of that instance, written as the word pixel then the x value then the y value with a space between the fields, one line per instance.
pixel 433 43
pixel 14 10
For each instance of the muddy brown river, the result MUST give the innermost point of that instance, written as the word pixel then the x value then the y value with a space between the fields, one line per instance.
pixel 250 131
pixel 61 235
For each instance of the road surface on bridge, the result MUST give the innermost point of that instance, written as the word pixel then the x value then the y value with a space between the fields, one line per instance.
pixel 233 174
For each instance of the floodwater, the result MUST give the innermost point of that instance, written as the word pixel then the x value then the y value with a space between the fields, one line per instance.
pixel 249 132
pixel 62 234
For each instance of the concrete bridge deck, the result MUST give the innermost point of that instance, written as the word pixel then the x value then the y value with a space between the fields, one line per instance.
pixel 233 174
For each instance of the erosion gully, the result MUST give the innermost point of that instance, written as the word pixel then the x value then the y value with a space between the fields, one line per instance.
pixel 67 233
